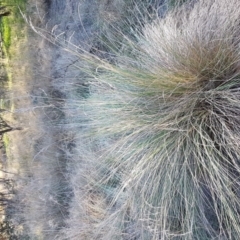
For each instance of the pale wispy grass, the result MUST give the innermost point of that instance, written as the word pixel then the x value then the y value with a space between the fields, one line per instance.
pixel 158 152
pixel 144 144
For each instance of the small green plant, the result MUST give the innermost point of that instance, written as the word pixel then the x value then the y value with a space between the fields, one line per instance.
pixel 10 21
pixel 6 30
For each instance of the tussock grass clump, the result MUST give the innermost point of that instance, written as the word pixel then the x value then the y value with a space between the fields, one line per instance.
pixel 144 142
pixel 162 132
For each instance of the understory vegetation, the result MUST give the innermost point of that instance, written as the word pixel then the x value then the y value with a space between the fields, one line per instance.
pixel 160 128
pixel 143 142
pixel 12 22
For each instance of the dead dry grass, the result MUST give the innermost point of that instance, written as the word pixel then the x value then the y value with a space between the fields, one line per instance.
pixel 152 122
pixel 120 134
